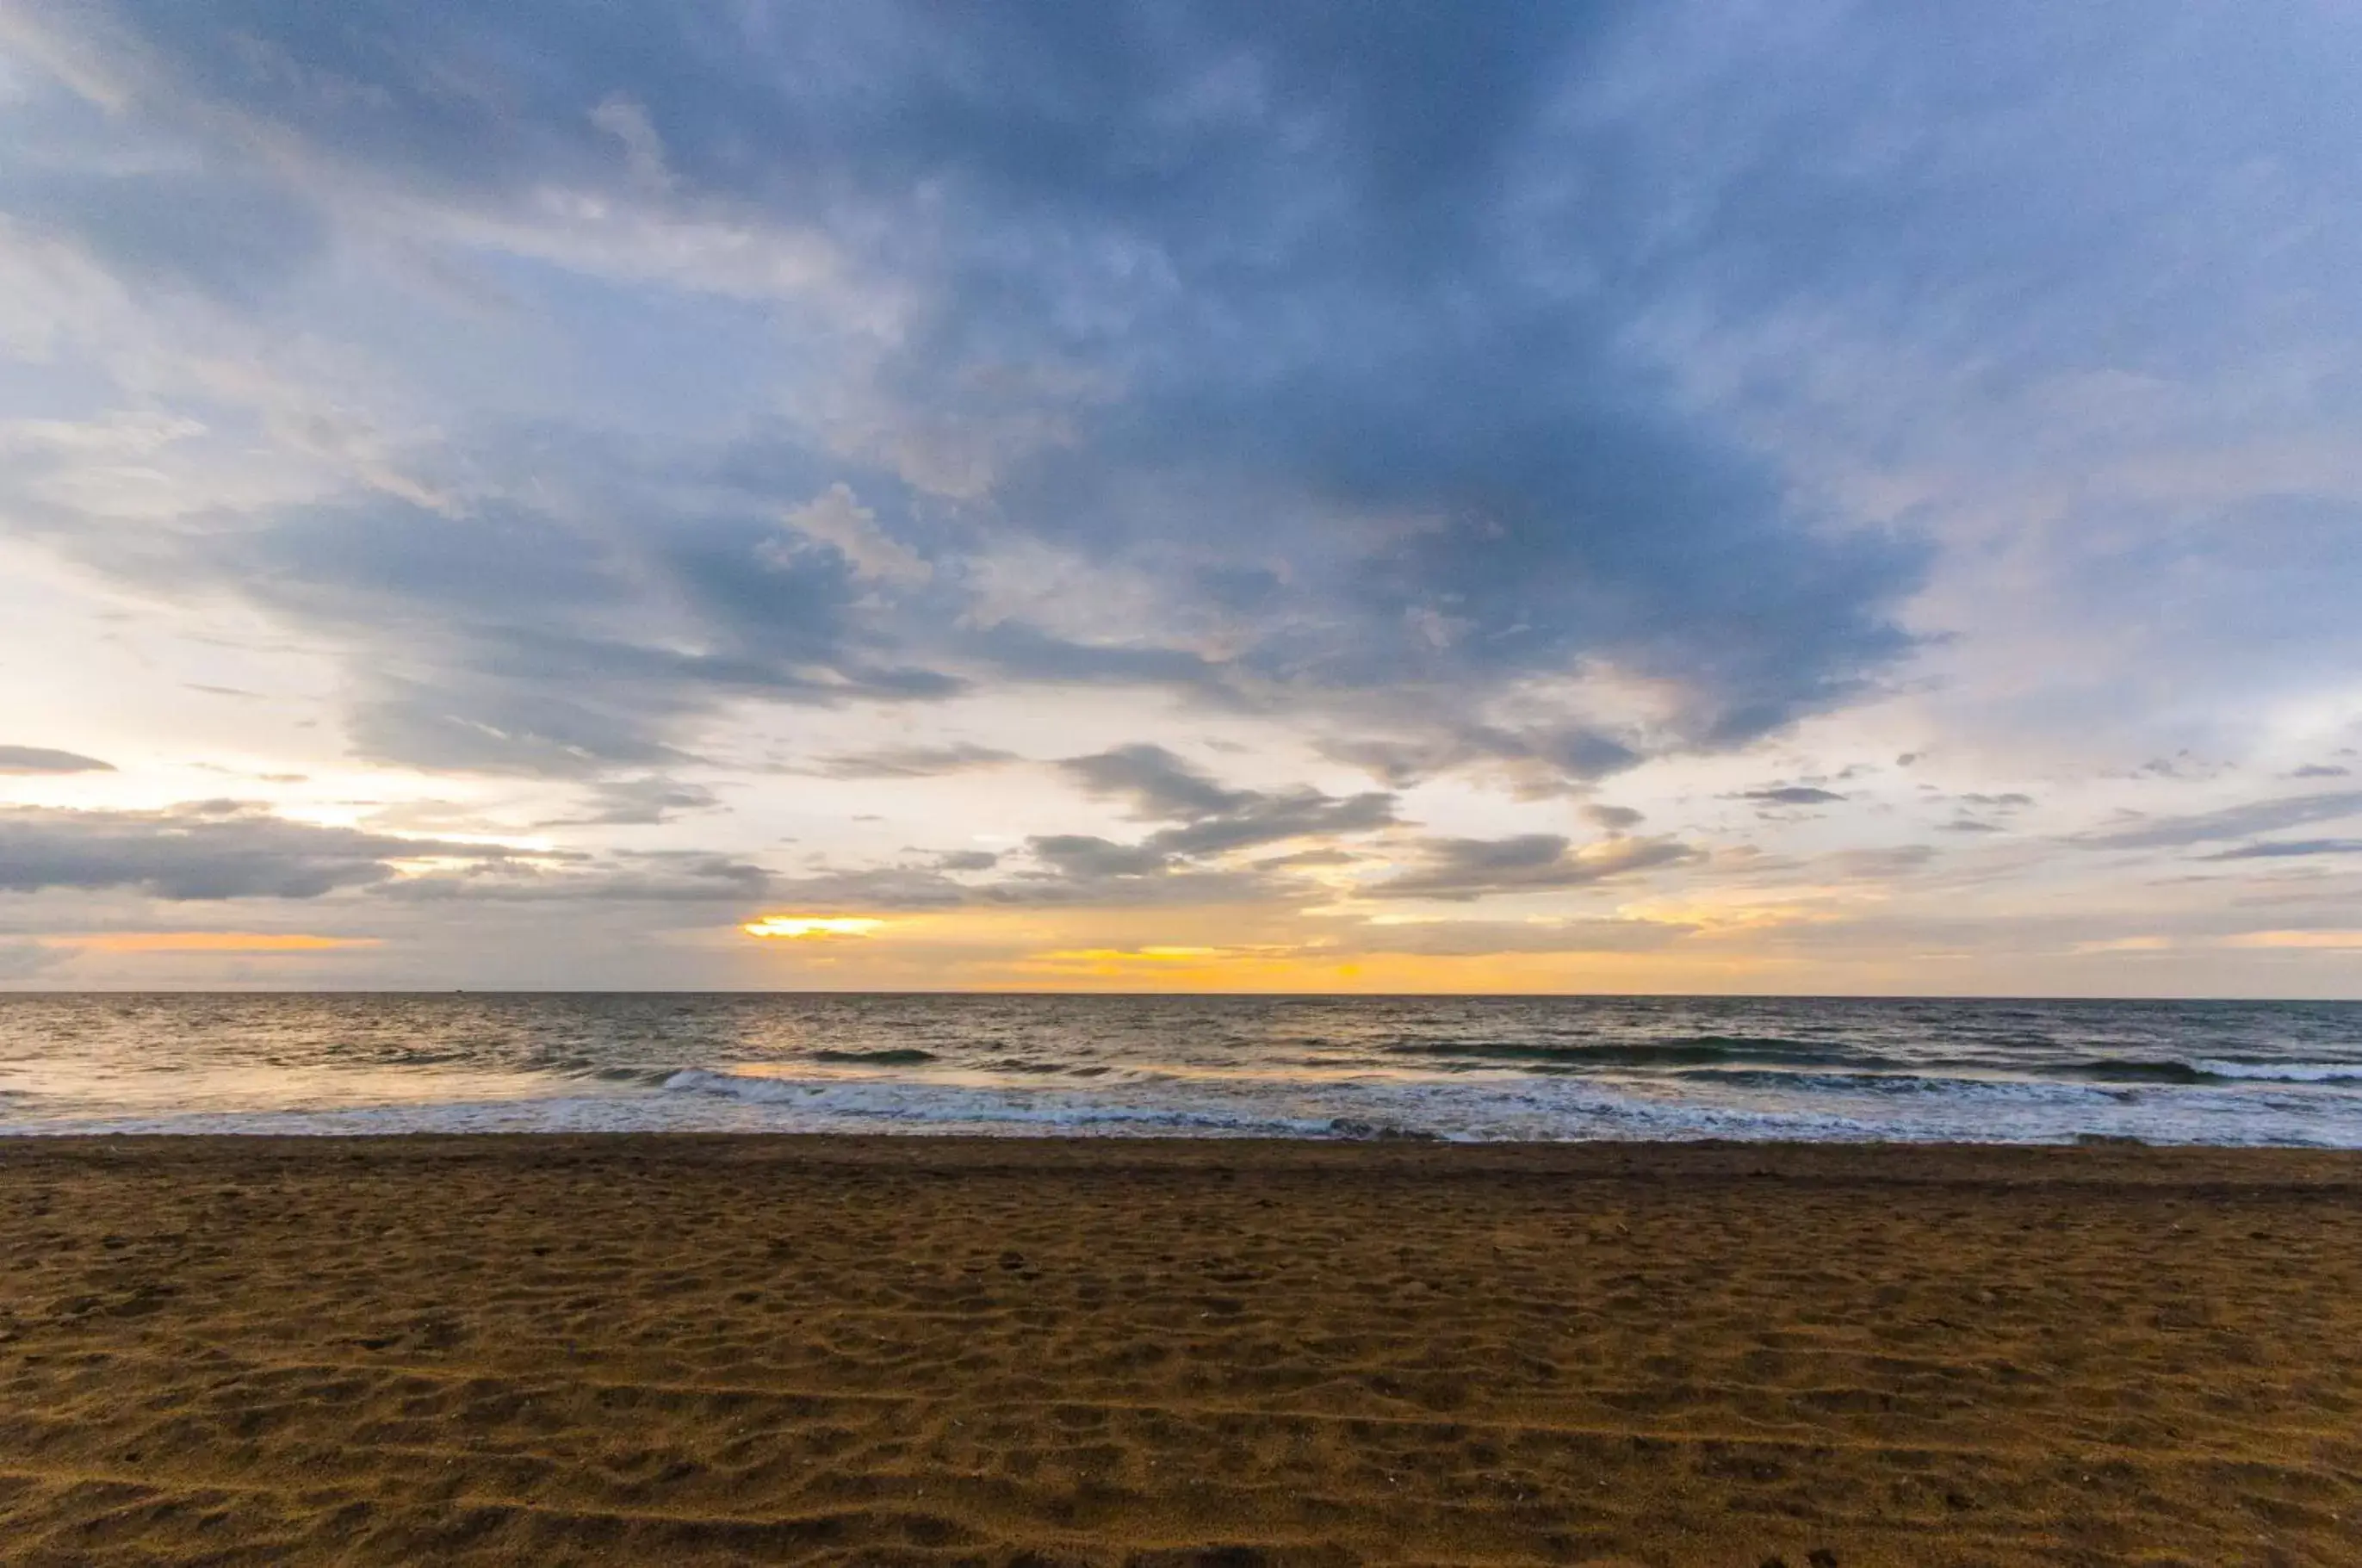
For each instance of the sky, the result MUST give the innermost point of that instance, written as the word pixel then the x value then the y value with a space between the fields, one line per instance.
pixel 1732 497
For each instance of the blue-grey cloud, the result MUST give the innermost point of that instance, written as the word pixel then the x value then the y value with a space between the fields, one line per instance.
pixel 1163 786
pixel 1277 817
pixel 1460 869
pixel 1172 865
pixel 1053 871
pixel 1793 795
pixel 515 640
pixel 39 759
pixel 1321 336
pixel 1551 756
pixel 236 237
pixel 911 761
pixel 1089 856
pixel 2230 822
pixel 2287 849
pixel 686 877
pixel 1160 785
pixel 1529 392
pixel 202 850
pixel 640 802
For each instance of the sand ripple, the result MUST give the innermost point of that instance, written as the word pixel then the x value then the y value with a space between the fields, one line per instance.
pixel 680 1349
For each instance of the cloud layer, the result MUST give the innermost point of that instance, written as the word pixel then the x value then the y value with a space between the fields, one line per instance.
pixel 1268 476
pixel 1292 330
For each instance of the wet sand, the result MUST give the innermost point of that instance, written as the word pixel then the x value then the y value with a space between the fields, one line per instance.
pixel 674 1349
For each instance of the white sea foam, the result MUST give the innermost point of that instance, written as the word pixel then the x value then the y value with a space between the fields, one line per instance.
pixel 702 1099
pixel 1519 1107
pixel 919 1104
pixel 1450 1069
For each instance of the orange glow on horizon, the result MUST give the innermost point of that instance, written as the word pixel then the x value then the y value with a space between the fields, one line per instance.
pixel 2331 941
pixel 1130 954
pixel 209 942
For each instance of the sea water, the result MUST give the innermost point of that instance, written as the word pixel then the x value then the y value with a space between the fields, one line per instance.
pixel 1462 1068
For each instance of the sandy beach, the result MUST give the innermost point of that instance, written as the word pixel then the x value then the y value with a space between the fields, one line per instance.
pixel 678 1349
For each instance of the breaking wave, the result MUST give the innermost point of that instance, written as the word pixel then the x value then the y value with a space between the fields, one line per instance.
pixel 1456 1069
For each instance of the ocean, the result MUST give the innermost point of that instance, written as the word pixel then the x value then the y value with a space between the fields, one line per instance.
pixel 1461 1068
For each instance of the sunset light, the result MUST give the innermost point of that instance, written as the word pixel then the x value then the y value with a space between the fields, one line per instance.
pixel 247 942
pixel 1181 782
pixel 804 927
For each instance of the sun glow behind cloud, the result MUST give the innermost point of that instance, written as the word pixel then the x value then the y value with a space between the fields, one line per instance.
pixel 802 927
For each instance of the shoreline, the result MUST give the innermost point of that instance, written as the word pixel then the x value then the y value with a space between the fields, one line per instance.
pixel 730 1347
pixel 1379 1136
pixel 856 1145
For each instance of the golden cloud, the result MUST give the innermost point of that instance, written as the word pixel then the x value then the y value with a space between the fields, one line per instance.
pixel 806 928
pixel 209 942
pixel 2337 941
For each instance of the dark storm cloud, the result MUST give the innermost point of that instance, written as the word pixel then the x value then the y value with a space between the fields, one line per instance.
pixel 219 849
pixel 2231 821
pixel 1458 870
pixel 39 759
pixel 1328 312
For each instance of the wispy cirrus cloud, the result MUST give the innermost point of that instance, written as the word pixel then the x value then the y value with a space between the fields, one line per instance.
pixel 2229 821
pixel 1459 869
pixel 911 761
pixel 2289 849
